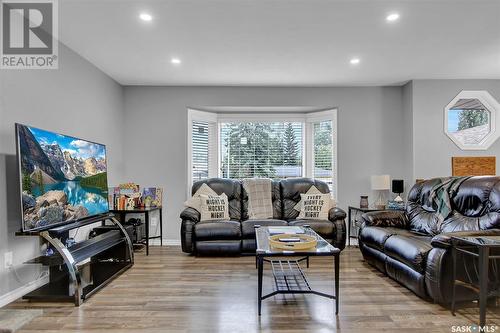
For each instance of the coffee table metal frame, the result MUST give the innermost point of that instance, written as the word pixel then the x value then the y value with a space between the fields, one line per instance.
pixel 289 278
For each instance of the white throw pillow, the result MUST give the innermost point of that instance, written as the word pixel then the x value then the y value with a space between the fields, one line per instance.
pixel 314 206
pixel 314 190
pixel 194 201
pixel 214 207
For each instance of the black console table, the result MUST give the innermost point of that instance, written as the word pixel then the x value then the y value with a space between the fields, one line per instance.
pixel 146 211
pixel 486 252
pixel 106 255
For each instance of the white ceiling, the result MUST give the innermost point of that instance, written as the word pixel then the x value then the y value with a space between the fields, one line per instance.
pixel 285 42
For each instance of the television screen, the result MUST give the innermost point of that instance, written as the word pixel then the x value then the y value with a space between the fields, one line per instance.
pixel 63 179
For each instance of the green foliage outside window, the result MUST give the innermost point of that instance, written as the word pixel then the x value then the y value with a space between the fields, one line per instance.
pixel 290 146
pixel 472 118
pixel 254 149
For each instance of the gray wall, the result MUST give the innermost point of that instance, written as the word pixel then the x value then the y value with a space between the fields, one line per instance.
pixel 432 149
pixel 407 125
pixel 77 99
pixel 370 135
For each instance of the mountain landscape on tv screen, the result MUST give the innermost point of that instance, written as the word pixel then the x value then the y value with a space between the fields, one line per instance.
pixel 63 178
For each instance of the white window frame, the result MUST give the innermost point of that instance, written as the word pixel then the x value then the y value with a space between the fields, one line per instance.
pixel 491 105
pixel 316 117
pixel 306 118
pixel 208 117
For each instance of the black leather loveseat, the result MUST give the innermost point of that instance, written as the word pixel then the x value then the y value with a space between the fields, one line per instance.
pixel 413 248
pixel 238 235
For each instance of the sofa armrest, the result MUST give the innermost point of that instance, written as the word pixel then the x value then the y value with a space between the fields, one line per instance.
pixel 336 214
pixel 337 217
pixel 386 218
pixel 190 214
pixel 444 240
pixel 187 236
pixel 190 217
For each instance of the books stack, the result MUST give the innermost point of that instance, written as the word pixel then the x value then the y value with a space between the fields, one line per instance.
pixel 152 196
pixel 129 196
pixel 396 205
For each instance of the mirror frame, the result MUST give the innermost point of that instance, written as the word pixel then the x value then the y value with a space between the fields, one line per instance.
pixel 491 104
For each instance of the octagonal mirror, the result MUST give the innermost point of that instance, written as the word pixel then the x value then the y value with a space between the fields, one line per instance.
pixel 470 120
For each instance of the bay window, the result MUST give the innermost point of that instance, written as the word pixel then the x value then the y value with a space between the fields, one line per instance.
pixel 267 145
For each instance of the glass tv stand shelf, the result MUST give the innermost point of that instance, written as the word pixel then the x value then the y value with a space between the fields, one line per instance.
pixel 103 257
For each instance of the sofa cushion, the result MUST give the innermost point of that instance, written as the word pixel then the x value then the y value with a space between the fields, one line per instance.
pixel 374 257
pixel 477 196
pixel 194 201
pixel 323 227
pixel 408 277
pixel 376 237
pixel 217 230
pixel 314 190
pixel 275 197
pixel 476 206
pixel 218 247
pixel 291 189
pixel 233 190
pixel 314 206
pixel 248 226
pixel 214 207
pixel 411 250
pixel 248 245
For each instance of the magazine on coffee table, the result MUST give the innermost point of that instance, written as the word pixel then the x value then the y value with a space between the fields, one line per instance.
pixel 285 230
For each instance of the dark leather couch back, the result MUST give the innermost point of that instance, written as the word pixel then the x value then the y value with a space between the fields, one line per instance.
pixel 292 188
pixel 232 188
pixel 286 194
pixel 476 206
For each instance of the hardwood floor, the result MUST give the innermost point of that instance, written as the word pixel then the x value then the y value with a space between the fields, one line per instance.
pixel 172 292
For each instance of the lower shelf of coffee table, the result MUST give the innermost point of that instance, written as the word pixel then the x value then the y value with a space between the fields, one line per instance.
pixel 289 277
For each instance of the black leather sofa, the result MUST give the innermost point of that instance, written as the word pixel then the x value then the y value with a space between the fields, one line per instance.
pixel 414 249
pixel 238 235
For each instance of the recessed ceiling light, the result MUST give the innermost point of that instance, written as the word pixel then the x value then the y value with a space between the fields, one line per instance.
pixel 175 61
pixel 146 17
pixel 392 17
pixel 354 61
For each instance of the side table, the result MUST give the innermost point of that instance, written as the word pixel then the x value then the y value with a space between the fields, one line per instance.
pixel 353 219
pixel 122 214
pixel 487 252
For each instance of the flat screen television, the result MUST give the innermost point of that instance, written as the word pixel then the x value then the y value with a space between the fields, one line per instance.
pixel 63 179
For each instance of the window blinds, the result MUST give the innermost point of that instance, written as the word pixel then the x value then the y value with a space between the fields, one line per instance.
pixel 204 161
pixel 323 151
pixel 261 149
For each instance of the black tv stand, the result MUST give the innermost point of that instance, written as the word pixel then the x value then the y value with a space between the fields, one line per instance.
pixel 105 256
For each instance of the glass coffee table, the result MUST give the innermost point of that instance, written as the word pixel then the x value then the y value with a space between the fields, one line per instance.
pixel 289 278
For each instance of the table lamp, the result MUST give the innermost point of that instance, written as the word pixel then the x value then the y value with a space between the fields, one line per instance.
pixel 398 188
pixel 380 183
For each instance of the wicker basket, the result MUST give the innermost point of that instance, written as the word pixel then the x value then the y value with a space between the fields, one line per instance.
pixel 306 242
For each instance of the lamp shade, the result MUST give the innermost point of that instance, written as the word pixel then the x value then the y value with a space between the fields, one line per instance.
pixel 381 182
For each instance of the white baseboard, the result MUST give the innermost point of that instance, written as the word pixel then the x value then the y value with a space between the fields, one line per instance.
pixel 168 242
pixel 11 296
